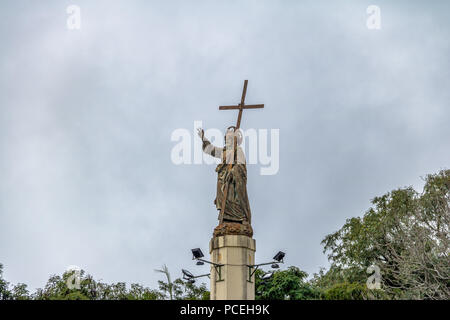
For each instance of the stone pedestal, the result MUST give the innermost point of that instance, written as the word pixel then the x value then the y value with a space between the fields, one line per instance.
pixel 234 252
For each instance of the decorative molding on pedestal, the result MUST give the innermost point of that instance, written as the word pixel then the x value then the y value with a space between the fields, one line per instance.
pixel 233 228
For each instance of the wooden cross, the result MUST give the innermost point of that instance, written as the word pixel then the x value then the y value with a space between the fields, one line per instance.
pixel 241 108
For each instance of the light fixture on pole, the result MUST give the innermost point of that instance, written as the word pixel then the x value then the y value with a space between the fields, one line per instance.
pixel 279 256
pixel 267 276
pixel 274 264
pixel 197 255
pixel 189 277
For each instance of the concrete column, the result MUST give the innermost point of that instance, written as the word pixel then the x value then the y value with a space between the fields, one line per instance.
pixel 235 253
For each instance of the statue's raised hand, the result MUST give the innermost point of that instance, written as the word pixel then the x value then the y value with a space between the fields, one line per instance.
pixel 200 133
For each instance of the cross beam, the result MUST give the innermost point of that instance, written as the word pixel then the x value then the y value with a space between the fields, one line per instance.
pixel 242 106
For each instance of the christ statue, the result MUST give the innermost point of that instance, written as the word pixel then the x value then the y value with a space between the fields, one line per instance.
pixel 231 176
pixel 231 197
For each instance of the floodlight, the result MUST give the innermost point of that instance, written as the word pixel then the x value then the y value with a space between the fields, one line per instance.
pixel 197 253
pixel 275 266
pixel 187 274
pixel 190 278
pixel 267 276
pixel 279 256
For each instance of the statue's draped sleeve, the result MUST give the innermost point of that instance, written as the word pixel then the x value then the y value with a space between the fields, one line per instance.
pixel 212 150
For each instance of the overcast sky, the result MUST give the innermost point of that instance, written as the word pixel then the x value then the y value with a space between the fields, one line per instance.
pixel 86 117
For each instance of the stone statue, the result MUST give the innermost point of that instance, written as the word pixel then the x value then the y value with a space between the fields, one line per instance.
pixel 231 178
pixel 231 198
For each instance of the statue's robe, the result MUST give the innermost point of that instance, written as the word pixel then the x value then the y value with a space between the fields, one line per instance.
pixel 237 207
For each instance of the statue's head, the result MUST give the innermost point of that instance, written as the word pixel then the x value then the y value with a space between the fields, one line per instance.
pixel 230 134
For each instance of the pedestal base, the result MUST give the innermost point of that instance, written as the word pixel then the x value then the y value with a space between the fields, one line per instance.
pixel 231 281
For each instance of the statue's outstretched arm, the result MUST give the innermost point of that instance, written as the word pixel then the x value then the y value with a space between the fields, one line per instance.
pixel 212 150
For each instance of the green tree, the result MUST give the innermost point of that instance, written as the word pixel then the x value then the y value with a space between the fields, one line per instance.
pixel 189 291
pixel 5 293
pixel 139 292
pixel 346 291
pixel 65 287
pixel 56 289
pixel 180 289
pixel 287 284
pixel 168 288
pixel 406 234
pixel 20 292
pixel 89 289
